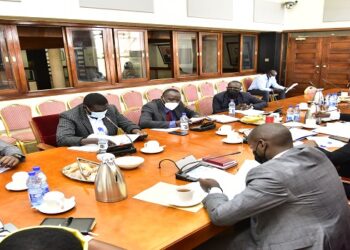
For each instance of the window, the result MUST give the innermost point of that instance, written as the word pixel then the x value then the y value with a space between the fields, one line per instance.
pixel 186 53
pixel 231 53
pixel 160 54
pixel 209 58
pixel 131 55
pixel 7 80
pixel 44 57
pixel 249 52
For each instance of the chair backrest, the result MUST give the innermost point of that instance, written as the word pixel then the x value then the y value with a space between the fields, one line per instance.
pixel 246 82
pixel 16 117
pixel 152 94
pixel 204 105
pixel 190 93
pixel 44 128
pixel 51 107
pixel 114 100
pixel 75 102
pixel 221 86
pixel 133 114
pixel 206 89
pixel 132 99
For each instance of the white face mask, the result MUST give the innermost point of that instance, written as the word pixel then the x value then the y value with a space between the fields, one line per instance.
pixel 98 115
pixel 171 105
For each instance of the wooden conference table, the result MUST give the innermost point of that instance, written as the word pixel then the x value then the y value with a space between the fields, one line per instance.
pixel 131 223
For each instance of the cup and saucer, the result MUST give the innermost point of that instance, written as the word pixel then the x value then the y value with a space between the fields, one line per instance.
pixel 224 130
pixel 54 202
pixel 185 197
pixel 19 182
pixel 311 124
pixel 233 138
pixel 152 147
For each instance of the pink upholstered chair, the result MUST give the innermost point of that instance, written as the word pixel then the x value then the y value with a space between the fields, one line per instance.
pixel 152 94
pixel 133 114
pixel 246 82
pixel 204 105
pixel 132 99
pixel 114 100
pixel 51 107
pixel 16 120
pixel 221 86
pixel 206 89
pixel 75 102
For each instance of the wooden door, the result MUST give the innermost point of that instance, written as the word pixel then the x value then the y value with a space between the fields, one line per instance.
pixel 304 62
pixel 335 66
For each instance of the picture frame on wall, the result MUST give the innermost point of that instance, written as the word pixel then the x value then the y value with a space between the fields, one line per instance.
pixel 165 52
pixel 233 53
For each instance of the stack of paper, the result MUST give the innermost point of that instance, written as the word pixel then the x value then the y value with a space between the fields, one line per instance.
pixel 250 112
pixel 223 118
pixel 336 128
pixel 326 142
pixel 298 133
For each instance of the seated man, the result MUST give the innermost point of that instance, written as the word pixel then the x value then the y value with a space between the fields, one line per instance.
pixel 10 155
pixel 165 112
pixel 264 85
pixel 242 100
pixel 294 199
pixel 94 113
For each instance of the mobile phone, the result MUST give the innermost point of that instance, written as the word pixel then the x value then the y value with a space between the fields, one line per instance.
pixel 182 133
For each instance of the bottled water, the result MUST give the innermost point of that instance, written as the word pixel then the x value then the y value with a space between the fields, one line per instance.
pixel 34 189
pixel 231 108
pixel 102 141
pixel 296 113
pixel 184 122
pixel 43 180
pixel 290 114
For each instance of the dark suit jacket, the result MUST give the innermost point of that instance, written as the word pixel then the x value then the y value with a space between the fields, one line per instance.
pixel 153 114
pixel 295 201
pixel 221 101
pixel 74 125
pixel 8 150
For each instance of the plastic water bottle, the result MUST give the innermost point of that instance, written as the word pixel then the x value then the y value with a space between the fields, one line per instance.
pixel 333 101
pixel 296 113
pixel 34 189
pixel 231 108
pixel 290 114
pixel 102 141
pixel 184 122
pixel 43 180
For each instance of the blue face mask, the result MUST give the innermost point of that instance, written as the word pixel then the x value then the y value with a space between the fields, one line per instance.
pixel 98 115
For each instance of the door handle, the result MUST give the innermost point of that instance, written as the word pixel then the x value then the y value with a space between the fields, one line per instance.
pixel 324 66
pixel 317 66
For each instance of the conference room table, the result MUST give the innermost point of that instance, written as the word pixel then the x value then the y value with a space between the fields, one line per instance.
pixel 131 223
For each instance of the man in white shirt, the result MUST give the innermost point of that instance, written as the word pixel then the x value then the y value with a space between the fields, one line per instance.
pixel 266 84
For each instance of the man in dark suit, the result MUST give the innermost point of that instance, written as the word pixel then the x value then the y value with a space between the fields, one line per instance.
pixel 242 100
pixel 294 199
pixel 165 112
pixel 10 155
pixel 92 116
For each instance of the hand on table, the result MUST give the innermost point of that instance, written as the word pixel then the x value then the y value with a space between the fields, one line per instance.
pixel 142 134
pixel 86 141
pixel 9 161
pixel 207 184
pixel 244 106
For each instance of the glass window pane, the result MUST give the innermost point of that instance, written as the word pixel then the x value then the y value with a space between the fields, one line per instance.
pixel 43 57
pixel 6 75
pixel 89 55
pixel 132 54
pixel 210 53
pixel 231 52
pixel 187 50
pixel 160 54
pixel 248 52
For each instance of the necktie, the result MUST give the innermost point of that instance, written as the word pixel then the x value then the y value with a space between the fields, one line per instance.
pixel 169 117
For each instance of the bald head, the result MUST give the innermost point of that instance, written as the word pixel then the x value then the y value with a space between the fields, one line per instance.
pixel 272 72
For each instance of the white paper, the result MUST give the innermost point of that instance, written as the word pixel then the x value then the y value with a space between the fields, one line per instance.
pixel 196 119
pixel 326 142
pixel 92 148
pixel 165 129
pixel 291 87
pixel 336 128
pixel 3 169
pixel 298 133
pixel 117 139
pixel 223 118
pixel 250 112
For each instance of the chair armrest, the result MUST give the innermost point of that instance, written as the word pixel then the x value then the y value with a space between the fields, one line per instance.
pixel 43 146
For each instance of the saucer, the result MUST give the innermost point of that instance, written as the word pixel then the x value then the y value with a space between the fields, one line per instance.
pixel 311 126
pixel 15 187
pixel 175 201
pixel 222 133
pixel 235 141
pixel 151 151
pixel 68 205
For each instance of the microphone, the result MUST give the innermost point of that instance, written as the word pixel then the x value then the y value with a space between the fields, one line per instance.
pixel 116 126
pixel 312 84
pixel 330 83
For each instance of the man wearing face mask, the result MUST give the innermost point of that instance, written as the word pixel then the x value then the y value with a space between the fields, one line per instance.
pixel 294 199
pixel 242 100
pixel 264 85
pixel 93 115
pixel 165 112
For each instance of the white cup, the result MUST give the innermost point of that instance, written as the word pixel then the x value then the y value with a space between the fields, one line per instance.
pixel 225 129
pixel 152 144
pixel 310 122
pixel 233 136
pixel 303 105
pixel 54 200
pixel 184 193
pixel 276 117
pixel 20 178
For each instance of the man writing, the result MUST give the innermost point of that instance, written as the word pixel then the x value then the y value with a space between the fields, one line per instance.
pixel 10 155
pixel 264 85
pixel 294 199
pixel 93 115
pixel 242 100
pixel 165 112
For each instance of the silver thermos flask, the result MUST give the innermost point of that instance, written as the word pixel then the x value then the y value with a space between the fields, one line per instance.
pixel 109 183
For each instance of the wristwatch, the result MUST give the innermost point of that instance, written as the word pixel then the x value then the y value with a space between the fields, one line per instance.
pixel 19 157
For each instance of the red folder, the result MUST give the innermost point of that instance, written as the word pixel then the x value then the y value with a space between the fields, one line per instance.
pixel 220 162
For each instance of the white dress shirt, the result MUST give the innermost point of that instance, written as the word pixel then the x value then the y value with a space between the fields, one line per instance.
pixel 265 84
pixel 97 123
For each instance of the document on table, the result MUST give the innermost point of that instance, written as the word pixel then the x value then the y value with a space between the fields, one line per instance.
pixel 326 142
pixel 165 129
pixel 3 169
pixel 250 112
pixel 223 118
pixel 298 133
pixel 335 128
